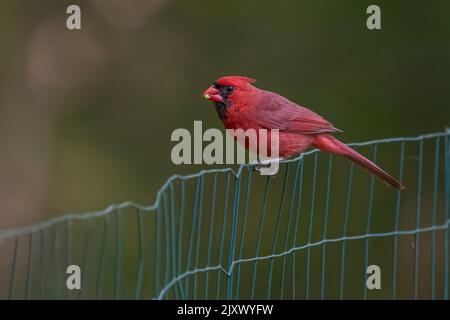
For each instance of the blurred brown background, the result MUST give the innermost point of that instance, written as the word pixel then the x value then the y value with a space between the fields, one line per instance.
pixel 86 116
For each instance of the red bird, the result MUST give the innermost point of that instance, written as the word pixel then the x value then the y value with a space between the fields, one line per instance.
pixel 241 105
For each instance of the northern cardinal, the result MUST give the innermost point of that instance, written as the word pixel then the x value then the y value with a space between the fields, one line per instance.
pixel 241 105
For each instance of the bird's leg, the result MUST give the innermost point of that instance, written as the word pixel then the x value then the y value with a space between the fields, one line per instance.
pixel 267 167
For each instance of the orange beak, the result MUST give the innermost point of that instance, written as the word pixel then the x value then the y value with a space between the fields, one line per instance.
pixel 213 94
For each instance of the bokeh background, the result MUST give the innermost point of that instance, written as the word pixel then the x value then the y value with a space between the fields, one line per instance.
pixel 86 116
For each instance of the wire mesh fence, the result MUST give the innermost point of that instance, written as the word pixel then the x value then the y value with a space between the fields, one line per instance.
pixel 309 233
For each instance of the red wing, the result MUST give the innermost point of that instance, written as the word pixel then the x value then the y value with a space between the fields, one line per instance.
pixel 277 112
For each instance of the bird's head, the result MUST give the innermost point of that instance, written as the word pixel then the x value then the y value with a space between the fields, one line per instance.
pixel 225 89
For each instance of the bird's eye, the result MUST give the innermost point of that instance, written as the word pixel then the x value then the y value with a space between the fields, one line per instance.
pixel 229 89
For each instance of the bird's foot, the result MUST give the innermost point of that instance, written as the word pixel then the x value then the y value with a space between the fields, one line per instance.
pixel 267 167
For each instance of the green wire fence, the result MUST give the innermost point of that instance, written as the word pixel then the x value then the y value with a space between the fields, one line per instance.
pixel 309 233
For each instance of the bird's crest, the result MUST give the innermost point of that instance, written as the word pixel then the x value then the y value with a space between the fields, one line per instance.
pixel 234 81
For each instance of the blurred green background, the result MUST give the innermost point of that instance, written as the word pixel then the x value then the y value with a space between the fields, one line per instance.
pixel 86 116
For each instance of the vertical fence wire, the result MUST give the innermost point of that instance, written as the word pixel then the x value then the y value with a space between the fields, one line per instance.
pixel 211 230
pixel 259 235
pixel 434 217
pixel 180 236
pixel 325 225
pixel 344 231
pixel 311 222
pixel 447 209
pixel 234 221
pixel 286 241
pixel 243 230
pixel 29 266
pixel 369 221
pixel 397 224
pixel 199 234
pixel 118 253
pixel 140 273
pixel 13 268
pixel 418 210
pixel 297 225
pixel 42 264
pixel 277 230
pixel 224 223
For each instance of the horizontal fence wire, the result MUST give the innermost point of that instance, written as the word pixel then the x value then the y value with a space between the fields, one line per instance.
pixel 312 232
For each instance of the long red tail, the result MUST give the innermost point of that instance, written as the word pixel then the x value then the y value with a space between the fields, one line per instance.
pixel 330 144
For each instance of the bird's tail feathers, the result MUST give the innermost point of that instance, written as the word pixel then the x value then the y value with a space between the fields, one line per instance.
pixel 330 144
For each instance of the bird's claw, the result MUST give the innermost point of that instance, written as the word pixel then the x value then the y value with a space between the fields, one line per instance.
pixel 265 169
